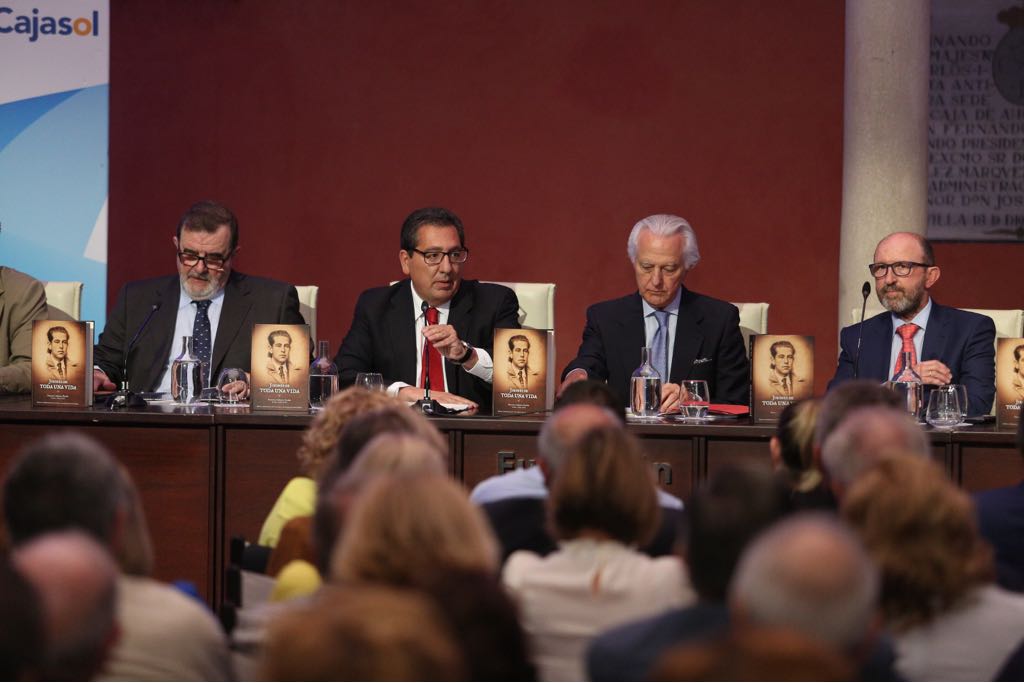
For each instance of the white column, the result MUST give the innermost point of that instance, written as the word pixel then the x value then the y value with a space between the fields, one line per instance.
pixel 885 134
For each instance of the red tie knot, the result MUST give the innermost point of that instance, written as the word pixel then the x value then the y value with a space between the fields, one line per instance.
pixel 907 331
pixel 431 316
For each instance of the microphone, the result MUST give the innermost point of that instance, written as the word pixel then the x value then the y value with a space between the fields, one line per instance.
pixel 865 292
pixel 427 405
pixel 125 397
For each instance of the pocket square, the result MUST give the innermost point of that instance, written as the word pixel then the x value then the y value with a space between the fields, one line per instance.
pixel 701 360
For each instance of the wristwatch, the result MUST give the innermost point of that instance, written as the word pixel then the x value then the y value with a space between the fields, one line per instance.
pixel 465 356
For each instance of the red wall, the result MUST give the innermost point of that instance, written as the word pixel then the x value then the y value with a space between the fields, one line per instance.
pixel 549 127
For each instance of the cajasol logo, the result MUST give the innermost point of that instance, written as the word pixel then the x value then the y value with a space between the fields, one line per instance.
pixel 34 25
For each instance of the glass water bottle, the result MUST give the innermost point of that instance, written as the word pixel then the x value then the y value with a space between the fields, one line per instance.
pixel 645 387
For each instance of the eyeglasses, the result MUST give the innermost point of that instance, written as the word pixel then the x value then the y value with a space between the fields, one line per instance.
pixel 899 269
pixel 432 258
pixel 212 261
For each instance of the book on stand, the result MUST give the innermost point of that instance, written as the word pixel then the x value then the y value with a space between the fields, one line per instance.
pixel 279 379
pixel 524 371
pixel 1009 381
pixel 781 372
pixel 62 363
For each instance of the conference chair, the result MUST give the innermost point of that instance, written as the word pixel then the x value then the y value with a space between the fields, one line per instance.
pixel 63 300
pixel 307 306
pixel 536 303
pixel 753 320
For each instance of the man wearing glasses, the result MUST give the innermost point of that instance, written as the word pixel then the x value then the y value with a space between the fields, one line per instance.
pixel 207 300
pixel 432 319
pixel 947 345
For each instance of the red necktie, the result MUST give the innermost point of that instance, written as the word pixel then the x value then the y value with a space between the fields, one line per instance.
pixel 907 332
pixel 431 356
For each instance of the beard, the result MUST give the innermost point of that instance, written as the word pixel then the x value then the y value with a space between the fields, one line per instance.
pixel 906 301
pixel 200 289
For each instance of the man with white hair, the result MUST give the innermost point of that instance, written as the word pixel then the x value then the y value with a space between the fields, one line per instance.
pixel 691 336
pixel 811 575
pixel 864 436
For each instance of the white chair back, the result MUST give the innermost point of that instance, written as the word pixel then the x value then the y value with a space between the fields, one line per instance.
pixel 753 320
pixel 307 306
pixel 64 300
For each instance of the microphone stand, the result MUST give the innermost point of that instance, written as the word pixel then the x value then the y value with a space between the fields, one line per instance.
pixel 427 405
pixel 125 397
pixel 865 292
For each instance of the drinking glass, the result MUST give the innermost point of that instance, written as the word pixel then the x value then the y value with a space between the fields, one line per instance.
pixel 374 381
pixel 961 395
pixel 231 384
pixel 693 399
pixel 943 410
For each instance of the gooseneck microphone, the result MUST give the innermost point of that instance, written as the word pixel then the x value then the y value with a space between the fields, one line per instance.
pixel 865 292
pixel 427 405
pixel 125 397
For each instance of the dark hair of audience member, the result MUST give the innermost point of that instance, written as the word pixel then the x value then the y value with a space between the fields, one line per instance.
pixel 591 392
pixel 921 531
pixel 369 632
pixel 738 502
pixel 485 623
pixel 605 486
pixel 22 632
pixel 62 481
pixel 795 434
pixel 844 398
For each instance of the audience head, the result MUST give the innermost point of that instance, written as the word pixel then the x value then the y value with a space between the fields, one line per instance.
pixel 407 530
pixel 733 507
pixel 365 632
pixel 838 403
pixel 76 581
pixel 564 428
pixel 662 249
pixel 591 392
pixel 22 636
pixel 604 487
pixel 363 428
pixel 808 573
pixel 134 552
pixel 864 436
pixel 922 533
pixel 63 481
pixel 320 440
pixel 792 446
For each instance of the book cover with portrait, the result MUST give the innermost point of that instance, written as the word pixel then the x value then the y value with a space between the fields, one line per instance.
pixel 1009 381
pixel 781 372
pixel 523 371
pixel 279 379
pixel 62 363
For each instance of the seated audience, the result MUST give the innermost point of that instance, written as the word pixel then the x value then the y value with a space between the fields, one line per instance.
pixel 792 450
pixel 68 481
pixel 949 621
pixel 22 638
pixel 839 402
pixel 736 503
pixel 22 301
pixel 602 505
pixel 76 581
pixel 368 632
pixel 1001 522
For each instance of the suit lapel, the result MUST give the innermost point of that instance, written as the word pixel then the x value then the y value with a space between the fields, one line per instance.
pixel 876 347
pixel 935 334
pixel 400 323
pixel 632 336
pixel 145 372
pixel 235 311
pixel 688 340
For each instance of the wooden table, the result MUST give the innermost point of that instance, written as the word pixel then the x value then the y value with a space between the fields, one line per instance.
pixel 208 474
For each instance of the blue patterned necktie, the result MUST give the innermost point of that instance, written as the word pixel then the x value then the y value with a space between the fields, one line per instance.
pixel 659 349
pixel 202 344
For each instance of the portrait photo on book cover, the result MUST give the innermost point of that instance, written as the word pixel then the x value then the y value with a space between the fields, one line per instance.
pixel 520 361
pixel 58 354
pixel 283 358
pixel 1010 370
pixel 783 367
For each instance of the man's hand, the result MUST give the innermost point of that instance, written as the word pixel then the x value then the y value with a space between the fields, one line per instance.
pixel 575 375
pixel 416 393
pixel 100 381
pixel 933 372
pixel 445 339
pixel 670 394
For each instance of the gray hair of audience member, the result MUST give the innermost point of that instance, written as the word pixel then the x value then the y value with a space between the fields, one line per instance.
pixel 63 481
pixel 591 392
pixel 76 580
pixel 811 574
pixel 838 403
pixel 666 225
pixel 566 427
pixel 864 436
pixel 738 502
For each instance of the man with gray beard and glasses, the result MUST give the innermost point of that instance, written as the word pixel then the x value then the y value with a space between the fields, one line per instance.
pixel 947 345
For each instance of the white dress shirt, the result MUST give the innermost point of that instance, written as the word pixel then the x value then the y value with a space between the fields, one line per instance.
pixel 183 326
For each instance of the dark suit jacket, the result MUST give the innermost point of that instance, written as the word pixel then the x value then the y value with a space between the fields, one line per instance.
pixel 963 341
pixel 383 334
pixel 1001 522
pixel 247 300
pixel 708 345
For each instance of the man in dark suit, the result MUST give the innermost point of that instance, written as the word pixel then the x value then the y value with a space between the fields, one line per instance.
pixel 1001 522
pixel 207 300
pixel 691 336
pixel 947 345
pixel 433 319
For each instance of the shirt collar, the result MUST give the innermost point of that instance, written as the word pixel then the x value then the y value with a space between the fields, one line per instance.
pixel 921 319
pixel 672 306
pixel 184 300
pixel 417 303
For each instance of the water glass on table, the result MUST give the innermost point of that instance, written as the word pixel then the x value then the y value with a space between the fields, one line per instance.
pixel 231 384
pixel 694 399
pixel 943 410
pixel 374 381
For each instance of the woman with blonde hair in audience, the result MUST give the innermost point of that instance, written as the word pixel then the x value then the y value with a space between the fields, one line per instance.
pixel 948 619
pixel 792 450
pixel 602 505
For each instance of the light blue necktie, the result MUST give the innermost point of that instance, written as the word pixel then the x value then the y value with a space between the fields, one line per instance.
pixel 659 349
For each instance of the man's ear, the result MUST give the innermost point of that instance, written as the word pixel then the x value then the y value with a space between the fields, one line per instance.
pixel 934 273
pixel 403 260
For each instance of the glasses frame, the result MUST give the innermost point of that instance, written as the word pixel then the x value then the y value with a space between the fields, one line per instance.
pixel 909 265
pixel 182 255
pixel 427 255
